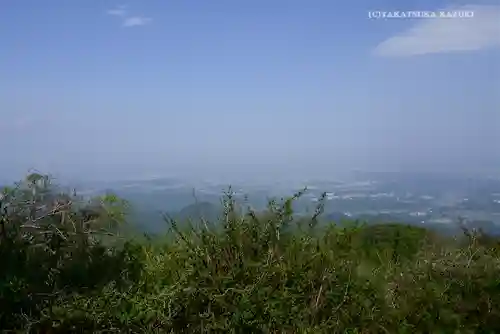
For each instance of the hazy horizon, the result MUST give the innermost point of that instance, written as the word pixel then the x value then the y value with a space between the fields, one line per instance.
pixel 97 89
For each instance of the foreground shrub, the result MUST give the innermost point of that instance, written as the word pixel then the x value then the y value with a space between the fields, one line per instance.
pixel 251 273
pixel 51 247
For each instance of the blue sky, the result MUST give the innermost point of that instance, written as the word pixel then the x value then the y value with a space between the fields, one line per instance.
pixel 117 89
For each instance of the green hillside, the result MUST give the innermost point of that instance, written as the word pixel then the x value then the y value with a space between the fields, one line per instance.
pixel 202 210
pixel 74 266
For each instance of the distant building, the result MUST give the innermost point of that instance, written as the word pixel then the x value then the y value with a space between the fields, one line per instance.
pixel 418 214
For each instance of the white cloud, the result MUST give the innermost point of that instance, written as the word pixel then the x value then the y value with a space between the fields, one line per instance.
pixel 135 21
pixel 128 20
pixel 440 35
pixel 118 11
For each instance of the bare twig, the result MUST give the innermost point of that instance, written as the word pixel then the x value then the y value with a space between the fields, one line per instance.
pixel 345 295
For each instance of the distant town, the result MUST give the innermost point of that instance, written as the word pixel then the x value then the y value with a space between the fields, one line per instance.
pixel 434 200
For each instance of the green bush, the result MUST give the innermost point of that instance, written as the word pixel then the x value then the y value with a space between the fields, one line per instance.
pixel 248 273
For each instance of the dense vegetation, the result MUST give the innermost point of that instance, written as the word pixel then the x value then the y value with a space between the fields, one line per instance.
pixel 68 267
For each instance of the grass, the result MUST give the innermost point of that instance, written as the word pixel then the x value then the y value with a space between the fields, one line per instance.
pixel 247 273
